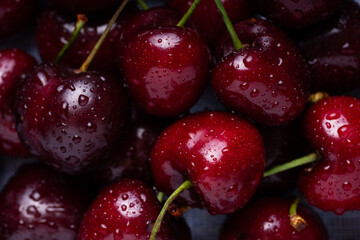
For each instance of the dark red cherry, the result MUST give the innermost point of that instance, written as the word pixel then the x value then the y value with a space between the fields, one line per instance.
pixel 14 64
pixel 269 219
pixel 162 16
pixel 222 154
pixel 332 126
pixel 131 158
pixel 70 121
pixel 55 29
pixel 15 15
pixel 126 209
pixel 207 16
pixel 282 145
pixel 85 6
pixel 332 50
pixel 298 13
pixel 39 203
pixel 165 69
pixel 266 80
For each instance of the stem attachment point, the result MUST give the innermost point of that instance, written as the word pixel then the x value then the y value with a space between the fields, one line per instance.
pixel 296 221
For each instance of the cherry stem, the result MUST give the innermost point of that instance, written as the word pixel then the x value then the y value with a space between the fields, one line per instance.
pixel 186 185
pixel 143 5
pixel 315 97
pixel 312 157
pixel 81 20
pixel 187 15
pixel 98 44
pixel 296 221
pixel 237 44
pixel 160 197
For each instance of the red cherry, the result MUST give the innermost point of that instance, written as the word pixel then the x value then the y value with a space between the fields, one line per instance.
pixel 15 15
pixel 125 210
pixel 222 154
pixel 14 64
pixel 268 80
pixel 165 69
pixel 208 19
pixel 39 203
pixel 70 121
pixel 55 29
pixel 269 219
pixel 332 126
pixel 297 14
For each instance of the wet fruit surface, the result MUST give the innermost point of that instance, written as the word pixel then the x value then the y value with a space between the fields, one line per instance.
pixel 221 153
pixel 62 118
pixel 298 13
pixel 39 203
pixel 332 126
pixel 268 80
pixel 125 210
pixel 165 69
pixel 269 219
pixel 14 64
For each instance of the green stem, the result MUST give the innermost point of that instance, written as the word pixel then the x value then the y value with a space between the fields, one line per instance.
pixel 186 185
pixel 92 54
pixel 237 44
pixel 312 157
pixel 143 5
pixel 296 221
pixel 160 197
pixel 187 15
pixel 81 20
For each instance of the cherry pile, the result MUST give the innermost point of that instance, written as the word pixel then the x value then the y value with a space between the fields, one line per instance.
pixel 122 124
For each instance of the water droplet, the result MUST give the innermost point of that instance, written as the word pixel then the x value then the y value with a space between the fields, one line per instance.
pixel 347 186
pixel 254 93
pixel 83 100
pixel 76 139
pixel 90 127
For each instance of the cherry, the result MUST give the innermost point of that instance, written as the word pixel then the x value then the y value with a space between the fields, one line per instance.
pixel 55 29
pixel 39 203
pixel 165 69
pixel 131 159
pixel 222 154
pixel 70 121
pixel 297 14
pixel 85 6
pixel 14 64
pixel 332 50
pixel 269 219
pixel 332 126
pixel 267 79
pixel 125 210
pixel 282 145
pixel 208 19
pixel 15 15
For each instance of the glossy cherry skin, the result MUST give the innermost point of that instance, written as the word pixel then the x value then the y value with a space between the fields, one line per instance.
pixel 14 64
pixel 55 29
pixel 268 80
pixel 332 126
pixel 162 16
pixel 208 19
pixel 283 144
pixel 127 209
pixel 297 14
pixel 39 203
pixel 131 158
pixel 70 121
pixel 15 15
pixel 222 154
pixel 332 50
pixel 85 6
pixel 269 219
pixel 165 69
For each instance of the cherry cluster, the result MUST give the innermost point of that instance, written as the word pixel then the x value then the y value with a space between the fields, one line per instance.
pixel 121 152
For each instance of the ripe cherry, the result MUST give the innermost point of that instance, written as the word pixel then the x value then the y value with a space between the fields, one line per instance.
pixel 14 64
pixel 332 126
pixel 39 203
